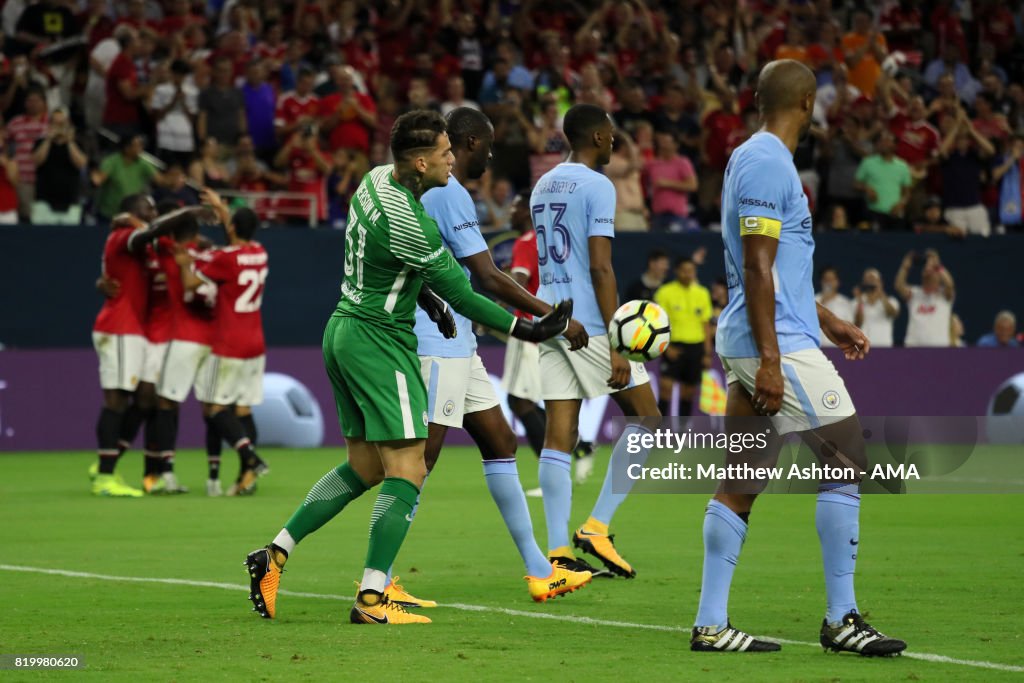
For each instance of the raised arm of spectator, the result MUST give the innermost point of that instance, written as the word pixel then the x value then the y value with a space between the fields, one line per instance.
pixel 945 279
pixel 985 146
pixel 593 19
pixel 632 153
pixel 949 141
pixel 281 158
pixel 902 288
pixel 1002 169
pixel 853 57
pixel 625 23
pixel 217 205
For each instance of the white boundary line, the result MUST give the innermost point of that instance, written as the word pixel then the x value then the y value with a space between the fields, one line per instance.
pixel 923 656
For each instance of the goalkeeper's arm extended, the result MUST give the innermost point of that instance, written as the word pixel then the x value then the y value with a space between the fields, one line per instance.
pixel 451 284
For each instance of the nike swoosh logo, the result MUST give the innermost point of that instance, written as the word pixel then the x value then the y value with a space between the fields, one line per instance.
pixel 853 542
pixel 372 618
pixel 408 518
pixel 587 533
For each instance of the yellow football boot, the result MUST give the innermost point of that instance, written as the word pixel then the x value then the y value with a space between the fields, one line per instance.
pixel 602 546
pixel 264 579
pixel 397 594
pixel 113 486
pixel 562 580
pixel 383 612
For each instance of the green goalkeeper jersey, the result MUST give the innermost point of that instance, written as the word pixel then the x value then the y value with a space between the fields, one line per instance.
pixel 391 248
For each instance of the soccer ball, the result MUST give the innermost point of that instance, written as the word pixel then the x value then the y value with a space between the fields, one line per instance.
pixel 639 330
pixel 1005 420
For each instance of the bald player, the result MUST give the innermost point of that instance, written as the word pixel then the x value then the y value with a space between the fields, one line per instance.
pixel 769 342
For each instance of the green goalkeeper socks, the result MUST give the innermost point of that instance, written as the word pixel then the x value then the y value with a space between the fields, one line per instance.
pixel 327 498
pixel 392 515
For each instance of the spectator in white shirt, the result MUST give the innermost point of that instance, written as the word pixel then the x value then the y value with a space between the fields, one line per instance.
pixel 175 105
pixel 929 305
pixel 830 297
pixel 874 309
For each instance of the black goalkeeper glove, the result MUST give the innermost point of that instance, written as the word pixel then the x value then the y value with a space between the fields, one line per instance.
pixel 439 311
pixel 553 324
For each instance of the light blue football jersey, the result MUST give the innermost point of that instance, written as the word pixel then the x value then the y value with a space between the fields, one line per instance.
pixel 762 194
pixel 453 209
pixel 570 204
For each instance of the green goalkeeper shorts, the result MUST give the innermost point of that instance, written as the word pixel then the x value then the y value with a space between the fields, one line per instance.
pixel 378 388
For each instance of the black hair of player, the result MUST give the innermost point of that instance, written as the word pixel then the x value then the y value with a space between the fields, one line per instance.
pixel 135 204
pixel 657 254
pixel 463 123
pixel 415 131
pixel 245 222
pixel 185 228
pixel 180 67
pixel 165 206
pixel 580 123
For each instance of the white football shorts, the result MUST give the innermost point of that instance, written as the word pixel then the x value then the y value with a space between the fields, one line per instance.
pixel 232 381
pixel 522 370
pixel 121 358
pixel 566 374
pixel 153 362
pixel 184 361
pixel 455 388
pixel 814 395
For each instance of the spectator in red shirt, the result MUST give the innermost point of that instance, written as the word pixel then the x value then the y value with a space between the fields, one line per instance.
pixel 902 25
pixel 273 50
pixel 178 17
pixel 917 144
pixel 947 28
pixel 348 116
pixel 299 108
pixel 124 94
pixel 827 53
pixel 719 127
pixel 24 130
pixel 8 178
pixel 918 140
pixel 996 26
pixel 988 122
pixel 362 54
pixel 307 167
pixel 670 179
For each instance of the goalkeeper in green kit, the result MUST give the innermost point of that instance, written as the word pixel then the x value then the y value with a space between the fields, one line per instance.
pixel 392 250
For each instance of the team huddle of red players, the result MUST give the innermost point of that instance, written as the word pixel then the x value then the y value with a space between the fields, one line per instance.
pixel 179 315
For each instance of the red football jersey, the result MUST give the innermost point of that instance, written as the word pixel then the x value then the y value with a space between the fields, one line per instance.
pixel 126 312
pixel 191 312
pixel 240 272
pixel 158 314
pixel 524 260
pixel 291 107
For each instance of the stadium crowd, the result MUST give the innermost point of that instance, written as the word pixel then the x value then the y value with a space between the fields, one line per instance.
pixel 919 118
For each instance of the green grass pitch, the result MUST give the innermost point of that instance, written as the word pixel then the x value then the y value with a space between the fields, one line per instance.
pixel 943 572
